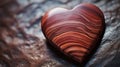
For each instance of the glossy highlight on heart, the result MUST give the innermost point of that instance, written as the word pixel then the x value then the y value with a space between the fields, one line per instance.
pixel 74 32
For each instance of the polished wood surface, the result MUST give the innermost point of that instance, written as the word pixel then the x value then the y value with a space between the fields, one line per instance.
pixel 74 32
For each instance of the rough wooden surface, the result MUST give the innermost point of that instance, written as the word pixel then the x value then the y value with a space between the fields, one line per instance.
pixel 22 43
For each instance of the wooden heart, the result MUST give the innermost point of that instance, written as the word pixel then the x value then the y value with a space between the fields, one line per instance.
pixel 75 32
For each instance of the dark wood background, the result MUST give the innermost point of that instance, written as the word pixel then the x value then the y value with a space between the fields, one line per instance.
pixel 22 43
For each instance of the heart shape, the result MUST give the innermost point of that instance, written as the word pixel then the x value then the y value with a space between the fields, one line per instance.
pixel 75 32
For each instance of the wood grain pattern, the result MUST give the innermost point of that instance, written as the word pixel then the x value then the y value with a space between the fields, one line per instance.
pixel 74 32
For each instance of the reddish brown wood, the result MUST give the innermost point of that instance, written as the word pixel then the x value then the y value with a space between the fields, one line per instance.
pixel 74 32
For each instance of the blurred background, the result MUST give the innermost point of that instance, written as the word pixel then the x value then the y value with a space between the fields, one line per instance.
pixel 22 43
